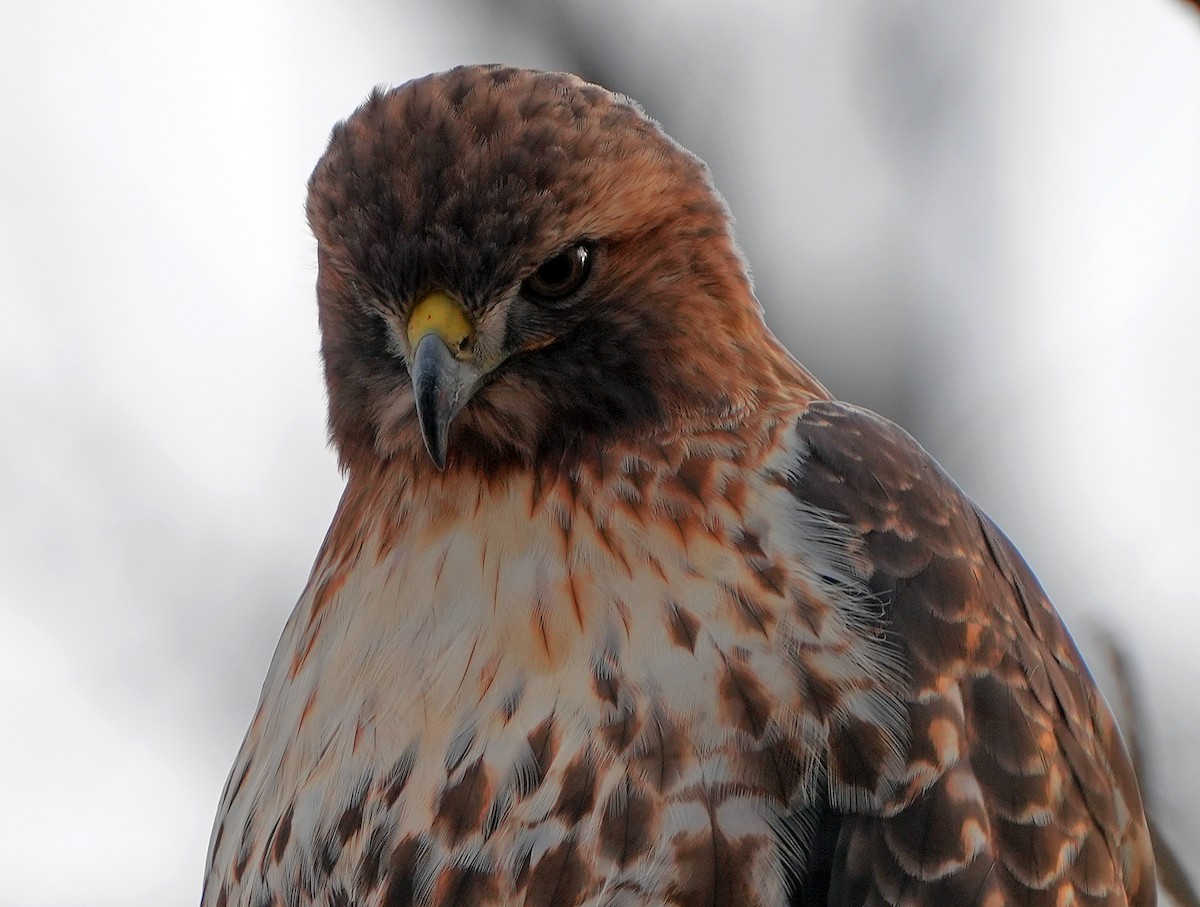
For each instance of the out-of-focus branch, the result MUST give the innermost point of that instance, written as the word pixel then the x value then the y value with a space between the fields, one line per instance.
pixel 1172 875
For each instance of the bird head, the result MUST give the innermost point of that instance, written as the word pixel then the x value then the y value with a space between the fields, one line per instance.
pixel 515 266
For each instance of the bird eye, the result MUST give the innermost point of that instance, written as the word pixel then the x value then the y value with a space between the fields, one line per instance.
pixel 559 276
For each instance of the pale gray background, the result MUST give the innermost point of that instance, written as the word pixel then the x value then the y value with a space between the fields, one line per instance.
pixel 982 219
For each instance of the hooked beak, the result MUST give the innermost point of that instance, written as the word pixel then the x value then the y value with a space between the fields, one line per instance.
pixel 443 374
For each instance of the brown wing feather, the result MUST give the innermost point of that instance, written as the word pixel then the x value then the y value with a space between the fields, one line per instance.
pixel 1018 788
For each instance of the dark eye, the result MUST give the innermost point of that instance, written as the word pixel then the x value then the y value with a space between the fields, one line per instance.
pixel 559 276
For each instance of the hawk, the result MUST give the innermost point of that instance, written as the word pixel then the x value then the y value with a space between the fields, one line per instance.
pixel 619 606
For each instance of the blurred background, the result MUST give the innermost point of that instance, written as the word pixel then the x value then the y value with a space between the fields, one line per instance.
pixel 980 219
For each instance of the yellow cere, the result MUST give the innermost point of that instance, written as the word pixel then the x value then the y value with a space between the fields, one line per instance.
pixel 441 314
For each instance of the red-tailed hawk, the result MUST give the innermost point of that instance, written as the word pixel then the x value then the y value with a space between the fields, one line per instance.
pixel 619 607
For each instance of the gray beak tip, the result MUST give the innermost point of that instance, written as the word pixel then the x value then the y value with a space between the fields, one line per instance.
pixel 441 385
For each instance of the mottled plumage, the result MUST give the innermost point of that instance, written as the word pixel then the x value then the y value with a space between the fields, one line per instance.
pixel 619 608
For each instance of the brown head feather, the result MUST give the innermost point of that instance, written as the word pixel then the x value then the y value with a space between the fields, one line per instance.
pixel 467 181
